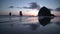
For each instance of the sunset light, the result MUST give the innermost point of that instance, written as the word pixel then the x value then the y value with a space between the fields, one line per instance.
pixel 29 16
pixel 31 12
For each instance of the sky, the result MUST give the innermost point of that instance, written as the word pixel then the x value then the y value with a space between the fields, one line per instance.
pixel 28 7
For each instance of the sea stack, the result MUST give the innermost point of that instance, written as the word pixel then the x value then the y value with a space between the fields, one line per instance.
pixel 20 13
pixel 44 12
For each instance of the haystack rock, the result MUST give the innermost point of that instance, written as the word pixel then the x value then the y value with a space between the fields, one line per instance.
pixel 44 12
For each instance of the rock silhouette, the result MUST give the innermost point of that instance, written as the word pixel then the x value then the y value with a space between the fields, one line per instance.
pixel 20 13
pixel 44 12
pixel 9 13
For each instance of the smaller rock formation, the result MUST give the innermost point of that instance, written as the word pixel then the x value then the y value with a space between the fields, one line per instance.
pixel 9 13
pixel 20 13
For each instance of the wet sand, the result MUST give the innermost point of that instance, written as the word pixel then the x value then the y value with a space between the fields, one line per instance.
pixel 29 25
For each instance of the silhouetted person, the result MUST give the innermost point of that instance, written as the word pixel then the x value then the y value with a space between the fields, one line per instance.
pixel 20 13
pixel 44 12
pixel 44 21
pixel 9 13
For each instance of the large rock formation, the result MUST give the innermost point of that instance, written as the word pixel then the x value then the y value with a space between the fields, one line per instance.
pixel 44 12
pixel 44 21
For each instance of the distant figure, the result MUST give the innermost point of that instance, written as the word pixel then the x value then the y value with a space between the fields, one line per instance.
pixel 44 12
pixel 20 13
pixel 9 13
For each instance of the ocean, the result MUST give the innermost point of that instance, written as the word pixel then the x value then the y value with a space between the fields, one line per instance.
pixel 29 25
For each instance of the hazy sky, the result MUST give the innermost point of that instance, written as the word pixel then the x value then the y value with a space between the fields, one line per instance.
pixel 17 5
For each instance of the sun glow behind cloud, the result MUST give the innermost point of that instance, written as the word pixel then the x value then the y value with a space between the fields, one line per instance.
pixel 31 12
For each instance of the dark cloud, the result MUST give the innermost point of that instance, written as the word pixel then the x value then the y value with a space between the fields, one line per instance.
pixel 19 7
pixel 33 5
pixel 11 6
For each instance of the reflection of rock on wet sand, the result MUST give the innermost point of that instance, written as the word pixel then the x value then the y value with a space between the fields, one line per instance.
pixel 44 21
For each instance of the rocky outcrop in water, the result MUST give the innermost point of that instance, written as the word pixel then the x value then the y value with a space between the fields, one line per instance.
pixel 44 12
pixel 20 13
pixel 9 13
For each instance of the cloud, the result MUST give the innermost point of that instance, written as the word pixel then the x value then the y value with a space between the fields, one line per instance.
pixel 11 6
pixel 33 5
